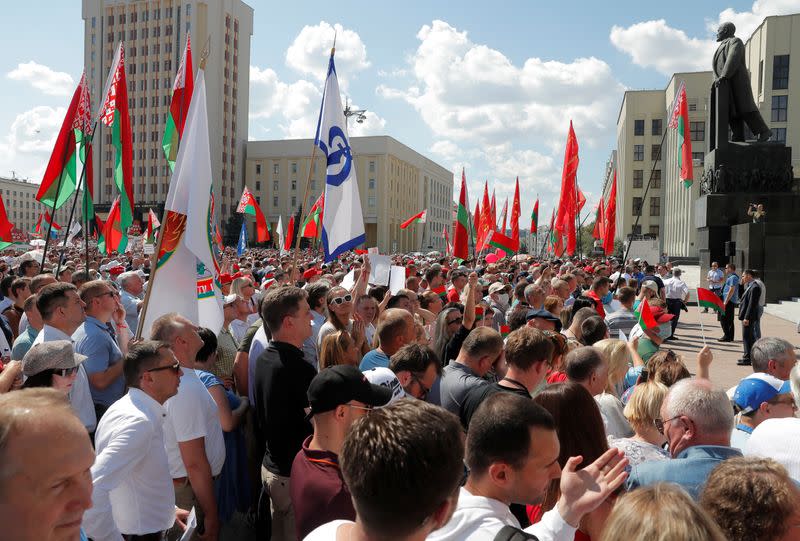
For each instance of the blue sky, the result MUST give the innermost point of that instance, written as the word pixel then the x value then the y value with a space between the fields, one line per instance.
pixel 489 89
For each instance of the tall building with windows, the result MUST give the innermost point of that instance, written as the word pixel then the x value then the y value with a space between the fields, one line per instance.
pixel 22 208
pixel 395 183
pixel 154 35
pixel 680 233
pixel 640 127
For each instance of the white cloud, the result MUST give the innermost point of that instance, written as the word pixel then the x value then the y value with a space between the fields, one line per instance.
pixel 42 78
pixel 311 49
pixel 470 92
pixel 646 41
pixel 28 144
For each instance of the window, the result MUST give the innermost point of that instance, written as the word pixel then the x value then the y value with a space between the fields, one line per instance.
pixel 294 168
pixel 779 107
pixel 779 135
pixel 656 126
pixel 313 184
pixel 638 127
pixel 692 103
pixel 294 202
pixel 780 72
pixel 276 169
pixel 372 184
pixel 760 76
pixel 258 169
pixel 274 185
pixel 654 230
pixel 638 178
pixel 638 153
pixel 275 201
pixel 371 167
pixel 294 185
pixel 698 130
pixel 656 180
pixel 698 156
pixel 636 230
pixel 655 206
pixel 258 185
pixel 94 21
pixel 655 152
pixel 637 206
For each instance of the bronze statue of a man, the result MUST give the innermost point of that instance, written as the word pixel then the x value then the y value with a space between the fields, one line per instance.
pixel 729 66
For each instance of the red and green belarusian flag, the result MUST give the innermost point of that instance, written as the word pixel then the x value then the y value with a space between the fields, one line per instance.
pixel 420 217
pixel 708 299
pixel 646 319
pixel 114 115
pixel 501 242
pixel 311 227
pixel 42 224
pixel 441 291
pixel 679 121
pixel 535 217
pixel 66 162
pixel 505 330
pixel 99 234
pixel 249 205
pixel 179 106
pixel 152 225
pixel 462 232
pixel 6 227
pixel 115 238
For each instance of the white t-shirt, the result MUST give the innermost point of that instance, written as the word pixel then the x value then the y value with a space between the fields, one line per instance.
pixel 192 414
pixel 326 532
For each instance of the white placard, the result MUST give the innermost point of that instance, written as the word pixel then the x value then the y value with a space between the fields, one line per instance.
pixel 191 526
pixel 149 249
pixel 397 279
pixel 373 250
pixel 381 265
pixel 349 280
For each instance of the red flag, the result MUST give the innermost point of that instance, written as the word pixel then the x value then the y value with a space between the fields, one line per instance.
pixel 287 245
pixel 568 203
pixel 312 226
pixel 597 232
pixel 515 212
pixel 610 218
pixel 6 227
pixel 487 222
pixel 551 245
pixel 708 299
pixel 461 237
pixel 581 200
pixel 113 233
pixel 476 226
pixel 494 211
pixel 418 217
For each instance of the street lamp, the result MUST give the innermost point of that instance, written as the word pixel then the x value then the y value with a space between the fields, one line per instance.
pixel 360 114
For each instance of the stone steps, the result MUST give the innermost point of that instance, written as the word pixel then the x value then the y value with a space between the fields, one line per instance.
pixel 785 309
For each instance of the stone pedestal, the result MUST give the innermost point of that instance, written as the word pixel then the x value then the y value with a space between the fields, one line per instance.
pixel 748 167
pixel 771 247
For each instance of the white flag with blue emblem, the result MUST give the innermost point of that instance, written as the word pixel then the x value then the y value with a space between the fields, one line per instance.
pixel 342 222
pixel 242 246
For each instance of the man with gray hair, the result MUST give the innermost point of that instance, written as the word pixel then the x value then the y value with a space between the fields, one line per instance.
pixel 697 420
pixel 774 356
pixel 131 297
pixel 534 294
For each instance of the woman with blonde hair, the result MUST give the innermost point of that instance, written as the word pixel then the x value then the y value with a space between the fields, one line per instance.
pixel 245 289
pixel 338 348
pixel 341 318
pixel 618 354
pixel 661 512
pixel 554 305
pixel 643 412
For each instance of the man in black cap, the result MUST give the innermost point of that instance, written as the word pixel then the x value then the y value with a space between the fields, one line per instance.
pixel 338 396
pixel 543 320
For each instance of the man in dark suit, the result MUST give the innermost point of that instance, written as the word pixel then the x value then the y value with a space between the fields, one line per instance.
pixel 729 66
pixel 749 314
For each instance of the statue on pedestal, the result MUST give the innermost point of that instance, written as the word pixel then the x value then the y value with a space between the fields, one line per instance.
pixel 729 67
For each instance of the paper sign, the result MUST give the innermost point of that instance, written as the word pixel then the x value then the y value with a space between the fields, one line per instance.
pixel 373 250
pixel 381 265
pixel 349 280
pixel 622 336
pixel 397 279
pixel 149 249
pixel 191 526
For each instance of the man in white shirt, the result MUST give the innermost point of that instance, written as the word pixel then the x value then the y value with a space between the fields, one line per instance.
pixel 317 292
pixel 677 293
pixel 131 297
pixel 62 312
pixel 519 471
pixel 192 430
pixel 133 494
pixel 715 279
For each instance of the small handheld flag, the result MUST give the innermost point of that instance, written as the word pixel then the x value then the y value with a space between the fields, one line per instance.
pixel 646 319
pixel 708 299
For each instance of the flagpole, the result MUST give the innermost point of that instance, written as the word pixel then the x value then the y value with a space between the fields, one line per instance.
pixel 702 329
pixel 53 210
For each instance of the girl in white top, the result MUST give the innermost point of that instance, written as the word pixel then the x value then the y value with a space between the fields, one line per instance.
pixel 619 355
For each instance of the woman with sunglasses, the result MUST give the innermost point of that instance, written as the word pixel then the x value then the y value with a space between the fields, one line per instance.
pixel 341 318
pixel 51 364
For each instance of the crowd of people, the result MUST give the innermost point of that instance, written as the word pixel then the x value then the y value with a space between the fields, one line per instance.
pixel 521 399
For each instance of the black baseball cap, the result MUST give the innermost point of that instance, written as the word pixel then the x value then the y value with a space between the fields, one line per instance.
pixel 544 314
pixel 339 385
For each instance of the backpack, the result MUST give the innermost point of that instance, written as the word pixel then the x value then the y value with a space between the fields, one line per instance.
pixel 510 533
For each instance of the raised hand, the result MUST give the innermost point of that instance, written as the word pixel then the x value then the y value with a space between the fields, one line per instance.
pixel 582 491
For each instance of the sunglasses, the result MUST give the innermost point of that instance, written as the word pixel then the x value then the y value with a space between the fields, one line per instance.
pixel 356 406
pixel 457 320
pixel 65 372
pixel 174 367
pixel 340 300
pixel 660 423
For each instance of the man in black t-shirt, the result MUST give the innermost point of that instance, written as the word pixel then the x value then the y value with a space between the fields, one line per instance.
pixel 528 353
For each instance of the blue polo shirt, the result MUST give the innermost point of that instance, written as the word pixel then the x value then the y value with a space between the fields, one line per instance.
pixel 731 281
pixel 93 339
